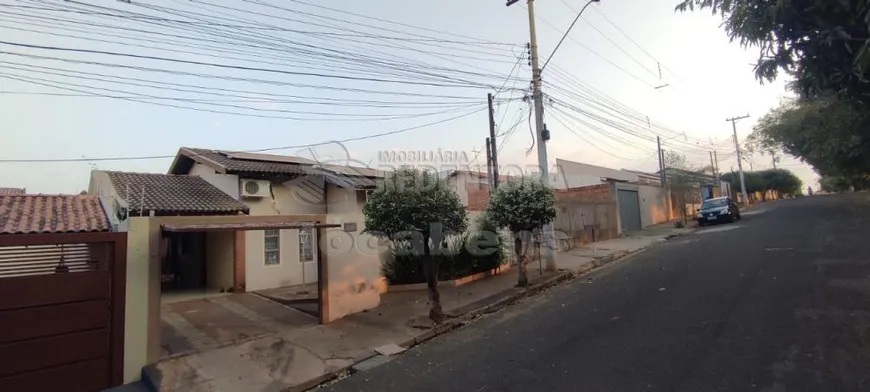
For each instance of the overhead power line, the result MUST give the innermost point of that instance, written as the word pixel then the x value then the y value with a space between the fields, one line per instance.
pixel 151 157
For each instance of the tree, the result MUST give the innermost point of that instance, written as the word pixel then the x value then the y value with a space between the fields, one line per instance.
pixel 754 181
pixel 523 205
pixel 830 133
pixel 782 181
pixel 417 207
pixel 823 44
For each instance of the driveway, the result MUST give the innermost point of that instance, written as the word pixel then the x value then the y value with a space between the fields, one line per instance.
pixel 191 326
pixel 776 302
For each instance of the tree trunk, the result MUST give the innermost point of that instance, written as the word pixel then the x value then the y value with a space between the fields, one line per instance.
pixel 522 277
pixel 430 272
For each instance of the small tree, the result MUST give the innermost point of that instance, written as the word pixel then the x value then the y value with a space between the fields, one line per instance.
pixel 417 207
pixel 523 205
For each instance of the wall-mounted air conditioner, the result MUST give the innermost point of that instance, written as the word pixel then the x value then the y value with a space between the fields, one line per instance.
pixel 256 188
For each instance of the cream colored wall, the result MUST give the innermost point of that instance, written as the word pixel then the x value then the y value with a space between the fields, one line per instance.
pixel 354 280
pixel 219 259
pixel 229 183
pixel 654 205
pixel 285 202
pixel 342 201
pixel 289 272
pixel 458 183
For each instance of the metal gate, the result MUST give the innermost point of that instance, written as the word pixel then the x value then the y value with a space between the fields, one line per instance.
pixel 629 210
pixel 62 311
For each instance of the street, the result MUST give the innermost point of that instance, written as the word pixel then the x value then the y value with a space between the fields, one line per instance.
pixel 776 302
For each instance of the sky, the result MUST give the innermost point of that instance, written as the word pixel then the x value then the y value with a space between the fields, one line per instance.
pixel 600 85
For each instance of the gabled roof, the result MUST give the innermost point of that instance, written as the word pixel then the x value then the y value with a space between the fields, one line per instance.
pixel 13 191
pixel 169 193
pixel 37 214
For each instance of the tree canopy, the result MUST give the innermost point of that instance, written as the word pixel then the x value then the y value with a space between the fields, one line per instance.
pixel 830 133
pixel 779 180
pixel 522 204
pixel 823 44
pixel 410 201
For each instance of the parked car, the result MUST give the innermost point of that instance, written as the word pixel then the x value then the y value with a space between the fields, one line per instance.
pixel 720 209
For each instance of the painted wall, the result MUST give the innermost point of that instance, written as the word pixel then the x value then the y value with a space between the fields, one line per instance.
pixel 342 201
pixel 354 280
pixel 655 205
pixel 229 183
pixel 100 185
pixel 219 259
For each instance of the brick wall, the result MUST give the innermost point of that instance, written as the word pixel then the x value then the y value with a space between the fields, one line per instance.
pixel 585 214
pixel 239 262
pixel 478 196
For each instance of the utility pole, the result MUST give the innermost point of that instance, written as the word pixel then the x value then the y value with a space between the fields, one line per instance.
pixel 489 162
pixel 543 135
pixel 661 160
pixel 712 167
pixel 733 121
pixel 491 145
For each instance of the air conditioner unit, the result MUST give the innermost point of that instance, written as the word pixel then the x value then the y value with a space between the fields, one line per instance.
pixel 256 188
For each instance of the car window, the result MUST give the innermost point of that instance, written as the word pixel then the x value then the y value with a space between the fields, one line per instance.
pixel 714 203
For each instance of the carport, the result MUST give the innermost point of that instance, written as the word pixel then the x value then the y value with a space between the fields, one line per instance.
pixel 347 286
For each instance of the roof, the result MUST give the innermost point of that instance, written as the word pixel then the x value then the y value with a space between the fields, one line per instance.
pixel 38 214
pixel 13 191
pixel 270 164
pixel 182 228
pixel 172 193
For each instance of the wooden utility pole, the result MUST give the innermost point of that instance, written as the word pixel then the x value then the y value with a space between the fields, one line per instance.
pixel 491 145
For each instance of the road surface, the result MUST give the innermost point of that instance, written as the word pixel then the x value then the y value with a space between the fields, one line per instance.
pixel 776 302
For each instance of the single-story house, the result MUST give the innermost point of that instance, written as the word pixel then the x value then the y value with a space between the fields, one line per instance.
pixel 272 185
pixel 192 262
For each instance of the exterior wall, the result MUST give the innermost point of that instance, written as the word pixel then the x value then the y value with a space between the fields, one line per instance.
pixel 285 200
pixel 100 185
pixel 458 182
pixel 289 272
pixel 229 183
pixel 585 214
pixel 219 260
pixel 575 174
pixel 342 201
pixel 353 280
pixel 655 205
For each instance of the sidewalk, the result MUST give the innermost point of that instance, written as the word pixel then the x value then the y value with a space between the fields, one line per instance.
pixel 301 358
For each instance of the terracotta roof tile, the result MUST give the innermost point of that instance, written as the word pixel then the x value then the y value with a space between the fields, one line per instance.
pixel 13 191
pixel 173 193
pixel 32 214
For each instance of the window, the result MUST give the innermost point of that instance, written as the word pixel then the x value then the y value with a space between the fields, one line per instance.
pixel 306 245
pixel 272 244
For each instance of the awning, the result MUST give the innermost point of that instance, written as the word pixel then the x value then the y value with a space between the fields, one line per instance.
pixel 187 228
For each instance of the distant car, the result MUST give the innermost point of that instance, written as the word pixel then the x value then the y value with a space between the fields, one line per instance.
pixel 720 209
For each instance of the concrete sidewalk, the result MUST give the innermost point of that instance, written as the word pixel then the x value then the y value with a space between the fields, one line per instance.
pixel 301 358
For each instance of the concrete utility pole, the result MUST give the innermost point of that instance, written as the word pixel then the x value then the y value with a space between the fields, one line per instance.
pixel 548 251
pixel 733 121
pixel 489 162
pixel 491 146
pixel 712 167
pixel 661 159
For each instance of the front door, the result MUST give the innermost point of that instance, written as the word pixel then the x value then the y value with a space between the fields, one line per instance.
pixel 308 254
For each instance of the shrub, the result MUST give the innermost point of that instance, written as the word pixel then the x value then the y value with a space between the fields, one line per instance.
pixel 459 256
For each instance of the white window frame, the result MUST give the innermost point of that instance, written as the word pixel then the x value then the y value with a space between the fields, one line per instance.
pixel 306 233
pixel 267 235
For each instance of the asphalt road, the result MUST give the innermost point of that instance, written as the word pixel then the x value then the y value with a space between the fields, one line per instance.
pixel 776 302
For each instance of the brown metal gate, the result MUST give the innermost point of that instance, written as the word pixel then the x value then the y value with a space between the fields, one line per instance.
pixel 62 311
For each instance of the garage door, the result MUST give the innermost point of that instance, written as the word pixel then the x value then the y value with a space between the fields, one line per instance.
pixel 629 210
pixel 60 326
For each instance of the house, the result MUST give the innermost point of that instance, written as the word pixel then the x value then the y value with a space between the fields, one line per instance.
pixel 13 191
pixel 273 185
pixel 192 262
pixel 62 282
